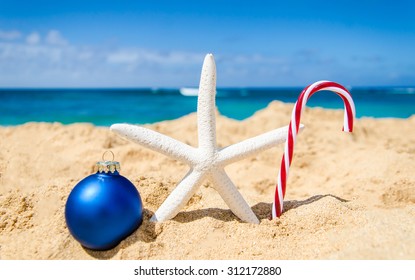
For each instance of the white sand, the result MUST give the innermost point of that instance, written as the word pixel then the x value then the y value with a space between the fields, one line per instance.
pixel 349 196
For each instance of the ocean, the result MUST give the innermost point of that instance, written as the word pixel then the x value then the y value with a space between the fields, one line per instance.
pixel 104 107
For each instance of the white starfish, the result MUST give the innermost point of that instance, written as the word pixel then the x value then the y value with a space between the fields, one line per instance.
pixel 207 161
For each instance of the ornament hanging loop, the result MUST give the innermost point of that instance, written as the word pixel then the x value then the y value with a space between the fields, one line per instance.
pixel 109 151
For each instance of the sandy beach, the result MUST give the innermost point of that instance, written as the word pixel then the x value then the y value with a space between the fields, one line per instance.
pixel 349 196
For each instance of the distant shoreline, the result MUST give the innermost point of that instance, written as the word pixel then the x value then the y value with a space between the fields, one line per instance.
pixel 102 107
pixel 30 123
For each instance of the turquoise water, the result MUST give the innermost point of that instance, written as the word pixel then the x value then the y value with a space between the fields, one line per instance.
pixel 104 107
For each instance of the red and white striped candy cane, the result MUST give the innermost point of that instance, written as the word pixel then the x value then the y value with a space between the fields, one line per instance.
pixel 299 106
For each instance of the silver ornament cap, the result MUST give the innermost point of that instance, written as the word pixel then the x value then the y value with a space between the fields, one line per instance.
pixel 106 166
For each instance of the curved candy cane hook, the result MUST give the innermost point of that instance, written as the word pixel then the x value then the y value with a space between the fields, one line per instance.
pixel 277 206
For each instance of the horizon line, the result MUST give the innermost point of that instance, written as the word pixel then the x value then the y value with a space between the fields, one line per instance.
pixel 177 88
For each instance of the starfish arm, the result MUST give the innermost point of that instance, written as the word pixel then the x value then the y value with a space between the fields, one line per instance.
pixel 252 146
pixel 227 190
pixel 157 142
pixel 206 121
pixel 179 196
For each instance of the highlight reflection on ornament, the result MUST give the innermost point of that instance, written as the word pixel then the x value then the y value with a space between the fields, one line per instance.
pixel 103 208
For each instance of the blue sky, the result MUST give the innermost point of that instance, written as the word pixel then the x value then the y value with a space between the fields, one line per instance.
pixel 162 43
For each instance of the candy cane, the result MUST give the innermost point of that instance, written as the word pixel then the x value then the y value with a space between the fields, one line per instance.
pixel 299 106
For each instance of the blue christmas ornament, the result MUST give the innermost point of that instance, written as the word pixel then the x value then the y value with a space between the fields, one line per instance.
pixel 103 208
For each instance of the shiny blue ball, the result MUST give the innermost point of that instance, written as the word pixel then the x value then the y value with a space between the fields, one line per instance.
pixel 102 210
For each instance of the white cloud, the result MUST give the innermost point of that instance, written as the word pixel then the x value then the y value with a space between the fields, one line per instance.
pixel 9 35
pixel 85 54
pixel 123 57
pixel 49 60
pixel 177 57
pixel 144 56
pixel 54 37
pixel 21 54
pixel 252 59
pixel 33 38
pixel 51 65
